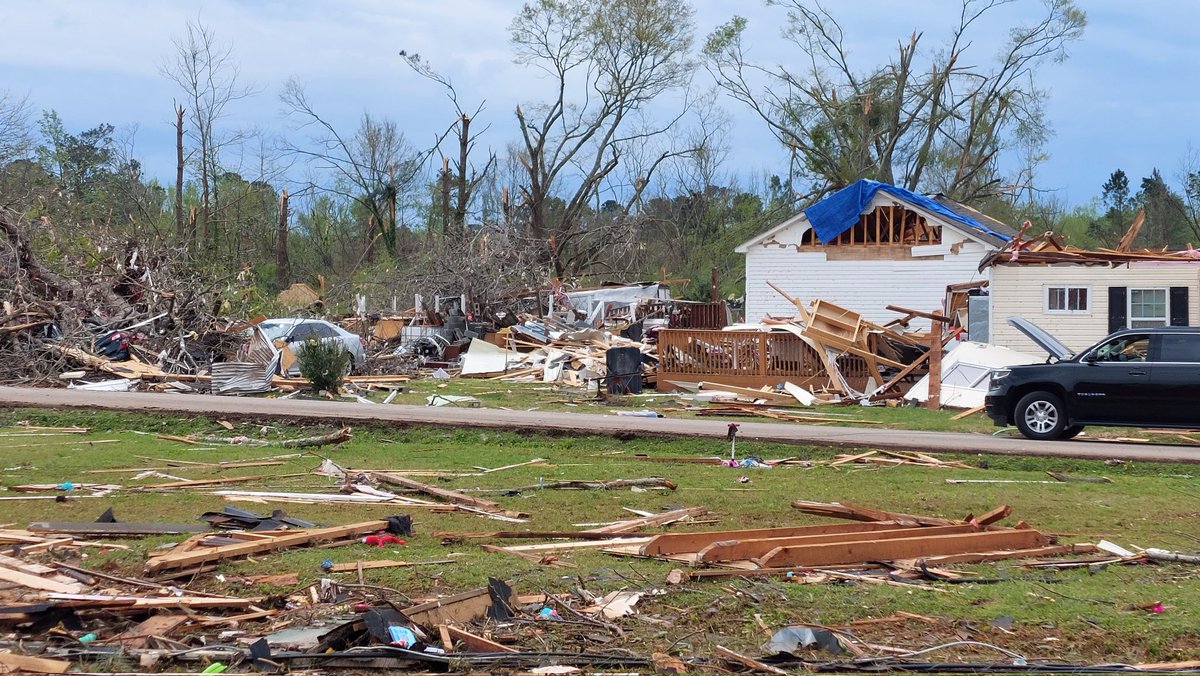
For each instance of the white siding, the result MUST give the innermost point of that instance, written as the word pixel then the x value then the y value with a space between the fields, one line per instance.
pixel 865 286
pixel 1020 290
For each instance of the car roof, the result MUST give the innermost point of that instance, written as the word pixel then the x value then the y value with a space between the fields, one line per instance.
pixel 1160 329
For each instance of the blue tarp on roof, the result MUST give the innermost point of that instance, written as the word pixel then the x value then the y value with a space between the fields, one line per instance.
pixel 840 211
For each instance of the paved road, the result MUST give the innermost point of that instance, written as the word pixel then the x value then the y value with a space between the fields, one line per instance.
pixel 578 423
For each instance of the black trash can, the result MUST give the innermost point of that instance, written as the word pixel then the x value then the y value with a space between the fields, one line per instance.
pixel 624 370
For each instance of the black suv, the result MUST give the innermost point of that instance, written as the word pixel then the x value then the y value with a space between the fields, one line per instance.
pixel 1136 377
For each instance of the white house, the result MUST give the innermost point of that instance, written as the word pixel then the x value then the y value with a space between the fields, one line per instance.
pixel 1081 296
pixel 867 246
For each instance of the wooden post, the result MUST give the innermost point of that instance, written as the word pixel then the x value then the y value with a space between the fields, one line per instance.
pixel 935 365
pixel 713 294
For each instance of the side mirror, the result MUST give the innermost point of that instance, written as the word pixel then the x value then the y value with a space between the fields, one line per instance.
pixel 1091 359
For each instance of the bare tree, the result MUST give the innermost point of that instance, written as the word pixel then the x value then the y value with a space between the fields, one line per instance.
pixel 605 60
pixel 465 179
pixel 15 137
pixel 182 232
pixel 940 125
pixel 208 74
pixel 374 167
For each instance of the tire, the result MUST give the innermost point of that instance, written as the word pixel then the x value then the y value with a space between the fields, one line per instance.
pixel 1071 432
pixel 349 364
pixel 1041 416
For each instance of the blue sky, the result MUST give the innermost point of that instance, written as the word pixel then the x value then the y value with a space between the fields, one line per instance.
pixel 1126 97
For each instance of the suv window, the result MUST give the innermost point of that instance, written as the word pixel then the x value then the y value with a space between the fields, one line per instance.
pixel 1123 349
pixel 323 330
pixel 1179 347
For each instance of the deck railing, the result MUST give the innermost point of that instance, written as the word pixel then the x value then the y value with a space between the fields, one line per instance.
pixel 746 358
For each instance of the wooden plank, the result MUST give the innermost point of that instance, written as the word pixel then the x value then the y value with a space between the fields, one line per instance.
pixel 37 582
pixel 547 547
pixel 993 515
pixel 984 557
pixel 170 561
pixel 737 550
pixel 155 625
pixel 383 563
pixel 474 643
pixel 634 525
pixel 111 600
pixel 748 392
pixel 459 608
pixel 904 372
pixel 902 548
pixel 845 510
pixel 114 529
pixel 677 543
pixel 969 412
pixel 35 665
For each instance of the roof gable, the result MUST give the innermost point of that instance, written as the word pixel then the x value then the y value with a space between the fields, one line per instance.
pixel 938 209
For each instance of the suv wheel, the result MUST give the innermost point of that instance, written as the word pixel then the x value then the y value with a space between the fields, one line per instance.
pixel 1041 415
pixel 1071 432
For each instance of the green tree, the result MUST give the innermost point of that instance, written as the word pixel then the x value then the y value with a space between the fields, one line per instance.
pixel 1118 211
pixel 1167 224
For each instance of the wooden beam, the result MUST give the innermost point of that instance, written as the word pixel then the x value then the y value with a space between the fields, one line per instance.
pixel 903 548
pixel 932 316
pixel 168 561
pixel 95 529
pixel 677 543
pixel 904 372
pixel 934 397
pixel 845 510
pixel 738 550
pixel 474 643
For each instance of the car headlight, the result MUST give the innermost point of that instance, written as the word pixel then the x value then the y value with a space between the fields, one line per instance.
pixel 997 377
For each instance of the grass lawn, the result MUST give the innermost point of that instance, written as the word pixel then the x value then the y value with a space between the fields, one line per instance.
pixel 1071 615
pixel 554 397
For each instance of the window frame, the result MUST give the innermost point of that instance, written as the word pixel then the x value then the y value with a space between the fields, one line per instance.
pixel 1067 297
pixel 1166 317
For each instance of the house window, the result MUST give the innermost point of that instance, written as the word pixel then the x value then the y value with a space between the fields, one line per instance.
pixel 1148 308
pixel 1068 299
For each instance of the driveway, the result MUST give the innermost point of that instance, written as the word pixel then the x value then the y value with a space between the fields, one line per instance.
pixel 586 423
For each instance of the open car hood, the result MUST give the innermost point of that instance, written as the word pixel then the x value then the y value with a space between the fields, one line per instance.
pixel 1044 340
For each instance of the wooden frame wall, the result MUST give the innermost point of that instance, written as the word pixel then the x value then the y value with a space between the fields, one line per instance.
pixel 892 225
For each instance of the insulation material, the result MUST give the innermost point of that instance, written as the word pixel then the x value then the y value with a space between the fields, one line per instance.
pixel 966 371
pixel 483 357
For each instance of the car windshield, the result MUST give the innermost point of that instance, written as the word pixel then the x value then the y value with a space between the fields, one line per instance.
pixel 273 330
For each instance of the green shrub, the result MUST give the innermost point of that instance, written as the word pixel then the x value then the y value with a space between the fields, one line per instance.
pixel 323 363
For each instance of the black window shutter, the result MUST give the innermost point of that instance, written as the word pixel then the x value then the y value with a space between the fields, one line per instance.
pixel 1116 308
pixel 1179 306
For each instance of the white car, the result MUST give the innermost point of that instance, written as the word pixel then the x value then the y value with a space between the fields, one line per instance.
pixel 296 330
